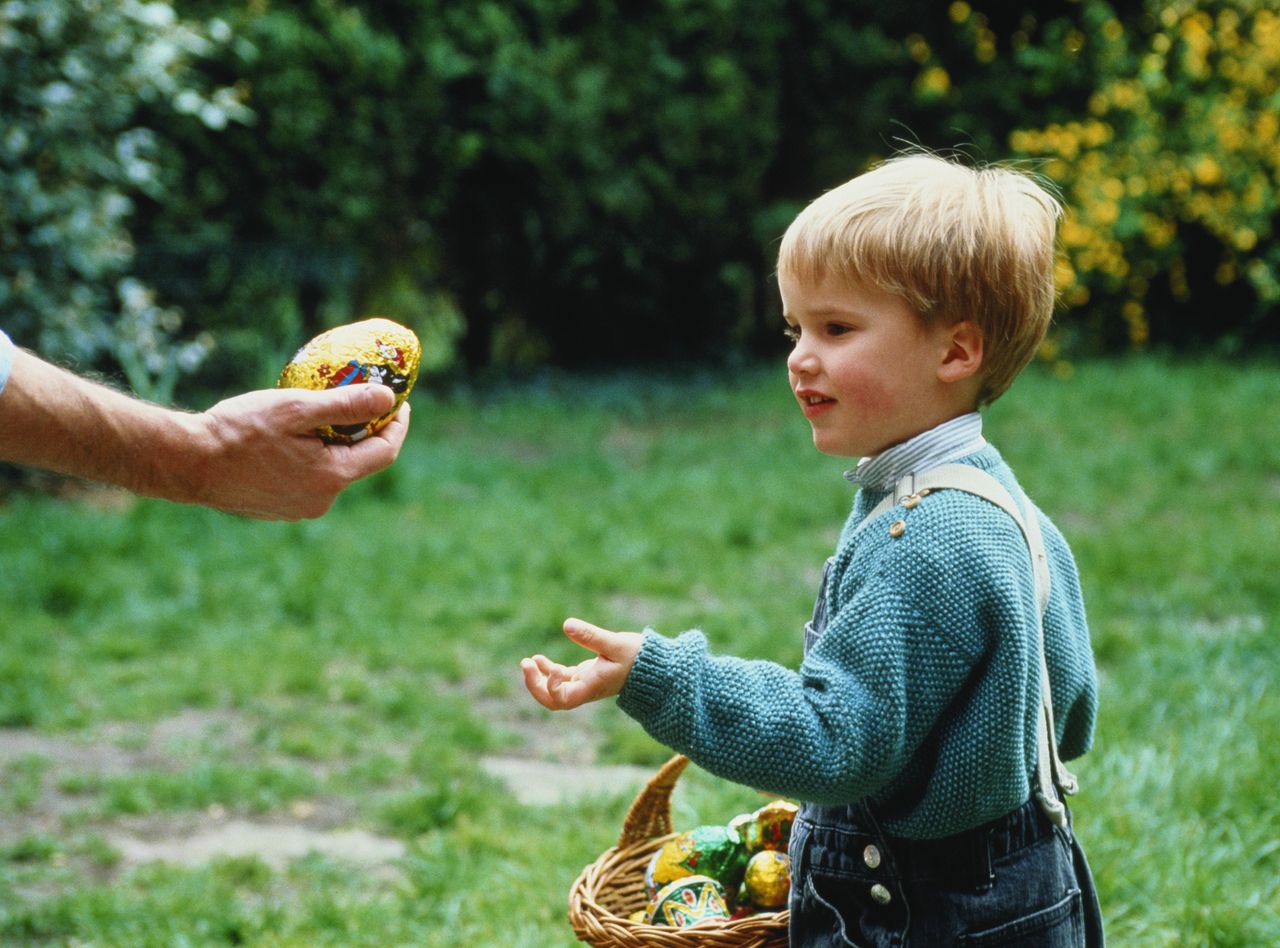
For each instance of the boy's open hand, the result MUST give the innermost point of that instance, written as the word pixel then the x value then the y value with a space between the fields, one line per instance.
pixel 560 688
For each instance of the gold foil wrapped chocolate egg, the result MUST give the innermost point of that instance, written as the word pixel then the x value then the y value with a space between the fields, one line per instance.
pixel 373 351
pixel 773 824
pixel 768 879
pixel 767 828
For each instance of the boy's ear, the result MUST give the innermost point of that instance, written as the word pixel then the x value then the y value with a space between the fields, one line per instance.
pixel 963 356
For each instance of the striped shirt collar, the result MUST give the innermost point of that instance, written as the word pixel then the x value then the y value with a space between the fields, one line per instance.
pixel 948 441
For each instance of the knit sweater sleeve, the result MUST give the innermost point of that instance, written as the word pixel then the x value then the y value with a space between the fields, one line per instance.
pixel 750 721
pixel 855 713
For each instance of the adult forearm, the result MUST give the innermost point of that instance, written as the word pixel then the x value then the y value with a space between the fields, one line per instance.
pixel 52 419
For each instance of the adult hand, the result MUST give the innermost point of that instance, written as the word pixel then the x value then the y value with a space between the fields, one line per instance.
pixel 265 461
pixel 560 688
pixel 256 454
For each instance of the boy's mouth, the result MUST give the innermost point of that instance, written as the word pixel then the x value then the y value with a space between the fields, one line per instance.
pixel 813 403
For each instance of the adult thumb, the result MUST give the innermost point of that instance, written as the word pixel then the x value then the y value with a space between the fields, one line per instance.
pixel 348 405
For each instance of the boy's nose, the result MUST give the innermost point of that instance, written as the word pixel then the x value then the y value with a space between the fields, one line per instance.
pixel 802 360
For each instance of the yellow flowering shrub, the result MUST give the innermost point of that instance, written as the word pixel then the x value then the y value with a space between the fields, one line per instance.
pixel 1171 174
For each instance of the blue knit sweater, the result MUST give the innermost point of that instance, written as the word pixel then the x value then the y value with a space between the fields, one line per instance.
pixel 922 693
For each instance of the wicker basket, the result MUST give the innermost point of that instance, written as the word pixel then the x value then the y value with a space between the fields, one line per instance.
pixel 611 888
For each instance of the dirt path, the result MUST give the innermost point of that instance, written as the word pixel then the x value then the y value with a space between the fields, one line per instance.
pixel 556 766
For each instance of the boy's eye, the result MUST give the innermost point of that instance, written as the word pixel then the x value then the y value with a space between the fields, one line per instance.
pixel 792 333
pixel 837 329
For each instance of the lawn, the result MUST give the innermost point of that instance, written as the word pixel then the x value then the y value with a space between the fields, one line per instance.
pixel 165 670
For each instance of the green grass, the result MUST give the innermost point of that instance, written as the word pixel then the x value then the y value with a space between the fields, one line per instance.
pixel 370 658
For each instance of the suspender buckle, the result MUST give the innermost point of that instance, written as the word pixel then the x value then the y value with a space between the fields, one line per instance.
pixel 1053 808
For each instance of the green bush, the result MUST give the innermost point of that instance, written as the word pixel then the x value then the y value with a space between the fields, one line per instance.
pixel 521 182
pixel 542 182
pixel 1171 176
pixel 73 76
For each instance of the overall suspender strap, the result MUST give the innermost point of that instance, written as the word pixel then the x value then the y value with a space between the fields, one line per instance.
pixel 1051 775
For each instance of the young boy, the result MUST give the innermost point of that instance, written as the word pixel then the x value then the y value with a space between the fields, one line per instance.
pixel 913 732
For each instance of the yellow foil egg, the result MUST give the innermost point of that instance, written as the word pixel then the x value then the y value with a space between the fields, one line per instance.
pixel 373 351
pixel 768 879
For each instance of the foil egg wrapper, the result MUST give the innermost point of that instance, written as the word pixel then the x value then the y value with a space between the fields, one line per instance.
pixel 768 879
pixel 688 901
pixel 767 828
pixel 714 851
pixel 373 351
pixel 773 825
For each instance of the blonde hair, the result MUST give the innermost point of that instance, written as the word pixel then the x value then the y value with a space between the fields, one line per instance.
pixel 955 242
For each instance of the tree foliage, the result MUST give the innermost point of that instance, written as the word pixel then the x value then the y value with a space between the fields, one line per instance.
pixel 587 182
pixel 72 155
pixel 527 181
pixel 1172 174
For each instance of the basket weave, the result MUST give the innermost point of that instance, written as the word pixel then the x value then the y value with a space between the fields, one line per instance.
pixel 612 887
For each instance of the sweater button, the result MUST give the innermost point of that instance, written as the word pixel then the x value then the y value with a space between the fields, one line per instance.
pixel 880 894
pixel 871 856
pixel 897 528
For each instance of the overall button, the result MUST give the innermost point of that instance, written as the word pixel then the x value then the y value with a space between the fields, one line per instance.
pixel 880 894
pixel 871 856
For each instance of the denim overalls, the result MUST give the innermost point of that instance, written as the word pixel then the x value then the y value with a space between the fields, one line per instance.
pixel 1017 881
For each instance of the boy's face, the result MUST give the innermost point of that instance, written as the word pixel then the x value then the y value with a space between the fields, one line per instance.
pixel 864 368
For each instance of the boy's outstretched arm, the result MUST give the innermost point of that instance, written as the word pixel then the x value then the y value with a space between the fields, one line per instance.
pixel 560 688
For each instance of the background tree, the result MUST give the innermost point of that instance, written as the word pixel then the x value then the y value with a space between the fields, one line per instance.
pixel 1172 172
pixel 73 76
pixel 579 183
